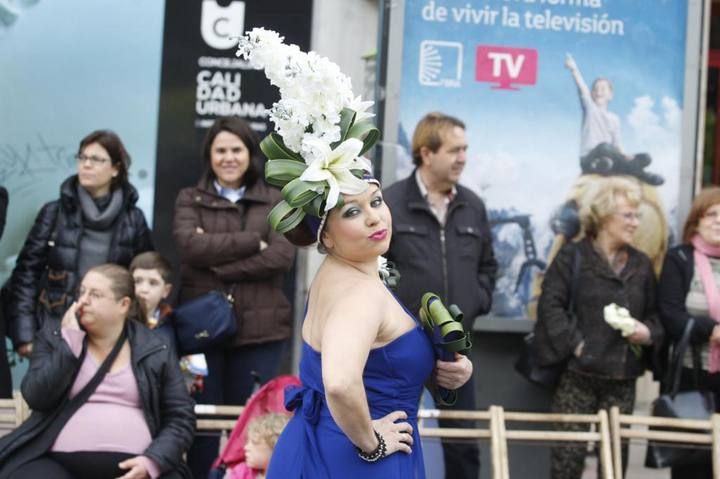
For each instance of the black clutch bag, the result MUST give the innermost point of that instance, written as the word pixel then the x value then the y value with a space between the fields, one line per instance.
pixel 204 322
pixel 529 367
pixel 693 404
pixel 528 364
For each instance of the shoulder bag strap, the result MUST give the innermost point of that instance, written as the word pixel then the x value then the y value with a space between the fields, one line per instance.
pixel 574 281
pixel 678 354
pixel 85 393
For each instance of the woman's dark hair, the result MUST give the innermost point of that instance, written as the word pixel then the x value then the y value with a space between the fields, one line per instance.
pixel 240 128
pixel 114 146
pixel 122 284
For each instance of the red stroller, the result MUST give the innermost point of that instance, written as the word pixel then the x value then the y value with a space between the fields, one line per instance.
pixel 267 399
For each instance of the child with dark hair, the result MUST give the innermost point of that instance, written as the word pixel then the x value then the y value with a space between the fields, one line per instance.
pixel 153 282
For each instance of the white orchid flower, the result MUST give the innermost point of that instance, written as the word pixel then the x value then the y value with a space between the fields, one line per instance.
pixel 333 167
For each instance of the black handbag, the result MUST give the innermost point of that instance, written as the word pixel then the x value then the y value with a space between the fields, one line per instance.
pixel 528 364
pixel 693 404
pixel 204 322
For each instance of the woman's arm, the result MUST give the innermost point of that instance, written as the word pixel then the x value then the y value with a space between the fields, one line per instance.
pixel 205 249
pixel 177 419
pixel 350 329
pixel 25 282
pixel 276 259
pixel 672 292
pixel 556 336
pixel 143 236
pixel 52 370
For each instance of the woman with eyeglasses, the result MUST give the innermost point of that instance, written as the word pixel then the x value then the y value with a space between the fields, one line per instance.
pixel 688 288
pixel 94 221
pixel 107 395
pixel 603 272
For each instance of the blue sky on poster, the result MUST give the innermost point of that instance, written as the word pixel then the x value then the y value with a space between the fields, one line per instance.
pixel 68 68
pixel 527 140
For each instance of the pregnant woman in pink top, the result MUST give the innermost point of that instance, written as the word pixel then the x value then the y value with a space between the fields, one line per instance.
pixel 107 395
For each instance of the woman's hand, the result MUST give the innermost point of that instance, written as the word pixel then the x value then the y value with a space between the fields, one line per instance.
pixel 397 435
pixel 70 320
pixel 453 374
pixel 641 334
pixel 24 350
pixel 715 335
pixel 136 468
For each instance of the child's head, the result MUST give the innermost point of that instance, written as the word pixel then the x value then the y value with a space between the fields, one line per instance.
pixel 262 434
pixel 602 91
pixel 152 274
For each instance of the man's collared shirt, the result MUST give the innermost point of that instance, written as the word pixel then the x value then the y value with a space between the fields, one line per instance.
pixel 439 210
pixel 230 194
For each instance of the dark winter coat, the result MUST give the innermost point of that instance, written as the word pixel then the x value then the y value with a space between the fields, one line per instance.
pixel 455 262
pixel 226 256
pixel 673 287
pixel 166 404
pixel 605 352
pixel 43 283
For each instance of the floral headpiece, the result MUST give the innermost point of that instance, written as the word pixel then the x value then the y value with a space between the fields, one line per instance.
pixel 321 130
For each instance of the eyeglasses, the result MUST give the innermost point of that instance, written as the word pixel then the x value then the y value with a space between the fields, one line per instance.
pixel 711 215
pixel 630 216
pixel 95 160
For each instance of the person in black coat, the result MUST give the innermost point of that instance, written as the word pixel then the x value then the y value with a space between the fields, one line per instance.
pixel 5 377
pixel 95 221
pixel 441 242
pixel 688 289
pixel 137 419
pixel 603 362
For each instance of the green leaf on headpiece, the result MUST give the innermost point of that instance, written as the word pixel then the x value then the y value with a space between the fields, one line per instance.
pixel 283 217
pixel 315 207
pixel 347 117
pixel 365 131
pixel 298 193
pixel 275 149
pixel 281 172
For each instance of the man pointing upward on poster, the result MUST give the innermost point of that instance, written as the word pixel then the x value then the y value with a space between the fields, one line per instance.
pixel 441 243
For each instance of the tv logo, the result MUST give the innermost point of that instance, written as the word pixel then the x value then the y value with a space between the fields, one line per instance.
pixel 440 63
pixel 221 26
pixel 506 66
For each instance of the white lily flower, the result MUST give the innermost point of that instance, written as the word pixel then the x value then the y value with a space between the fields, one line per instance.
pixel 360 108
pixel 333 167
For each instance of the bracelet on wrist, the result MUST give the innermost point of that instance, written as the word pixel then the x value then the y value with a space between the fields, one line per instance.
pixel 378 453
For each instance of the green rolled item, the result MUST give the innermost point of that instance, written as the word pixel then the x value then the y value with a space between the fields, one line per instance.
pixel 447 334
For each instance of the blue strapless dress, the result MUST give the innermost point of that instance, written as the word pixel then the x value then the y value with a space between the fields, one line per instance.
pixel 312 446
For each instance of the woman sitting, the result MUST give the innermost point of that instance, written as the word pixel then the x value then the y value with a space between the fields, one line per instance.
pixel 107 395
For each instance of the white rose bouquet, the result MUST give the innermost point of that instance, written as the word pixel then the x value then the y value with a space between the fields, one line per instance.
pixel 619 319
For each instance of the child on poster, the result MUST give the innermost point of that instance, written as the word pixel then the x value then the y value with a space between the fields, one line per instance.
pixel 600 150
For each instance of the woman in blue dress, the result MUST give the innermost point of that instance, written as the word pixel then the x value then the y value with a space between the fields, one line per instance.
pixel 364 362
pixel 365 358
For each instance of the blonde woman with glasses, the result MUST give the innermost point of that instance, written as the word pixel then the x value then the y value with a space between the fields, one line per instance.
pixel 607 334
